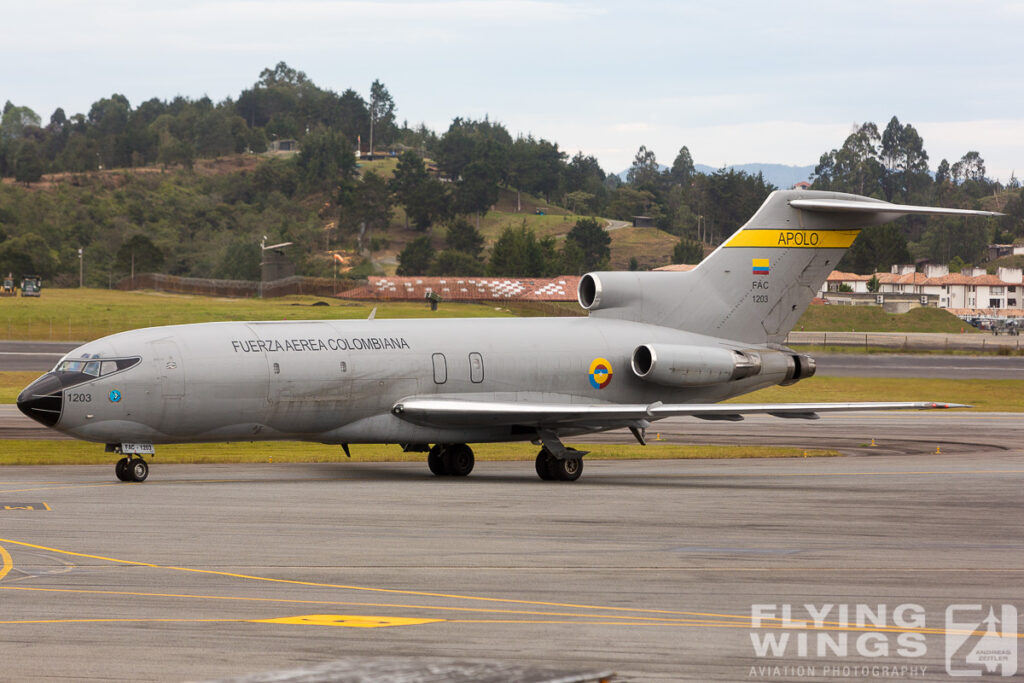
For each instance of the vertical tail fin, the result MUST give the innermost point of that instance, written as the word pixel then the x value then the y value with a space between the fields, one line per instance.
pixel 756 285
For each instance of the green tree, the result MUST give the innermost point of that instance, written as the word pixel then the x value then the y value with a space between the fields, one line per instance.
pixel 594 241
pixel 138 254
pixel 454 262
pixel 855 167
pixel 463 237
pixel 477 190
pixel 626 202
pixel 382 113
pixel 518 253
pixel 535 166
pixel 873 283
pixel 957 264
pixel 905 161
pixel 682 168
pixel 372 202
pixel 28 164
pixel 482 142
pixel 426 199
pixel 241 260
pixel 417 257
pixel 26 254
pixel 644 173
pixel 325 160
pixel 970 167
pixel 877 248
pixel 688 251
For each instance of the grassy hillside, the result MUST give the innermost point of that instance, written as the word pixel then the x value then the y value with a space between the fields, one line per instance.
pixel 81 314
pixel 651 247
pixel 819 318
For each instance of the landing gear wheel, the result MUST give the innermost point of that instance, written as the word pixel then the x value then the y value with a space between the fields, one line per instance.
pixel 137 470
pixel 568 469
pixel 121 469
pixel 435 461
pixel 543 465
pixel 458 460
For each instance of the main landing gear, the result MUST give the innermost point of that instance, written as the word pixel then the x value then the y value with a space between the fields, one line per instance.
pixel 555 462
pixel 552 468
pixel 131 469
pixel 453 459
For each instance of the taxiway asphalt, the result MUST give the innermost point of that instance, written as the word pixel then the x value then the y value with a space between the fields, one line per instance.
pixel 648 568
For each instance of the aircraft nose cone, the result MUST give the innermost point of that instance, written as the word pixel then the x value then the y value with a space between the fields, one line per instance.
pixel 43 400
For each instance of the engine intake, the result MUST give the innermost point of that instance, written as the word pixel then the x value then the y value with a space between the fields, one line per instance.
pixel 687 366
pixel 603 290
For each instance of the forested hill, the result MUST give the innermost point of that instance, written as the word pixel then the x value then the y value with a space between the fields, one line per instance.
pixel 190 187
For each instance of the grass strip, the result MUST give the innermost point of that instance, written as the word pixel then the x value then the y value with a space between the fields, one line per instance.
pixel 63 452
pixel 1004 395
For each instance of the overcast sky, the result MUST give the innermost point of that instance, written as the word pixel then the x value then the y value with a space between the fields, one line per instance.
pixel 736 82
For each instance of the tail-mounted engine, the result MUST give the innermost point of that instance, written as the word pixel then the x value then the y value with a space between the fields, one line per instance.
pixel 798 366
pixel 687 366
pixel 601 291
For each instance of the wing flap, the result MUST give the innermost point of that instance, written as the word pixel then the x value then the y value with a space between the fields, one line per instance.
pixel 445 412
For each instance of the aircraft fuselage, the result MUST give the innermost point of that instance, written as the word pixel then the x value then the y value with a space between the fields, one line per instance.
pixel 336 381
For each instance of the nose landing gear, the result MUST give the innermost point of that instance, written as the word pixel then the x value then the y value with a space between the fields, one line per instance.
pixel 131 469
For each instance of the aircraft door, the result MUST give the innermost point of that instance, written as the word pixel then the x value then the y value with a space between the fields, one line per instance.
pixel 170 378
pixel 170 373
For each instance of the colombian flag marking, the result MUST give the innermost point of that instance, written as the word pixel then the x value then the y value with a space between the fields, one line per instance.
pixel 762 266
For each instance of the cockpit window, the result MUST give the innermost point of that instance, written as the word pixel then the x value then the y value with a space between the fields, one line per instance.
pixel 96 368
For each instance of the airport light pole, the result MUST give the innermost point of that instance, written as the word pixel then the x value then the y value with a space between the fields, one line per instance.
pixel 81 268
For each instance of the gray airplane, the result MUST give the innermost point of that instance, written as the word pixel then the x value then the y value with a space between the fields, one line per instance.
pixel 654 345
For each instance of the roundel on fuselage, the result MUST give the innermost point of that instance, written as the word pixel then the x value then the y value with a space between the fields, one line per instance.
pixel 600 373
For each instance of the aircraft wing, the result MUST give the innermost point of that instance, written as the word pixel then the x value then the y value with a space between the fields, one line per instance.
pixel 461 412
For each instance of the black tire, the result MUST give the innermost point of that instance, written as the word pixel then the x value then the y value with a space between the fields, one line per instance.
pixel 121 469
pixel 435 461
pixel 568 469
pixel 138 469
pixel 543 465
pixel 459 460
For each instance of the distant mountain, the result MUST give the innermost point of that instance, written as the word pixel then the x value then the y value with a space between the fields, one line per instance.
pixel 779 175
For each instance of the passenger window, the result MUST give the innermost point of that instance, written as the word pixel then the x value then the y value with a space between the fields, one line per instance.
pixel 440 369
pixel 476 368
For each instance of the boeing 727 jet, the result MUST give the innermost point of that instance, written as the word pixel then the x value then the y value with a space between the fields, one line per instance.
pixel 654 345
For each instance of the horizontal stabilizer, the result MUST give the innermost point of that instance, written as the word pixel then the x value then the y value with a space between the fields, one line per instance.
pixel 450 412
pixel 879 207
